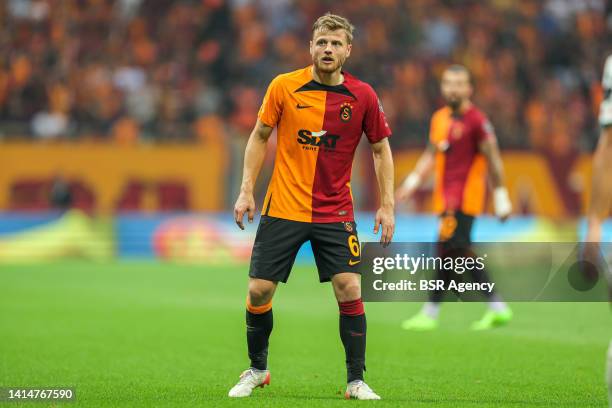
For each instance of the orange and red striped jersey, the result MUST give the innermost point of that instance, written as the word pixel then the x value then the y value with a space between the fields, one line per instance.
pixel 318 129
pixel 461 170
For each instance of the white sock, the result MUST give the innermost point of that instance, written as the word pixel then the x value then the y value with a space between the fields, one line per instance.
pixel 431 309
pixel 497 306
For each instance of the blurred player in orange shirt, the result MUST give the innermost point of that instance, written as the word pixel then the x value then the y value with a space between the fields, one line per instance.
pixel 462 150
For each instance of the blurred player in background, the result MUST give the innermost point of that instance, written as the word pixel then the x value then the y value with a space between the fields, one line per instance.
pixel 320 113
pixel 601 189
pixel 462 146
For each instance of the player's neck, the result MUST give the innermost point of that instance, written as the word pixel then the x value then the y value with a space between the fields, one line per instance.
pixel 328 78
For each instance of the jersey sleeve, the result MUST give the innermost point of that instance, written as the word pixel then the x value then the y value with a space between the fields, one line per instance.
pixel 439 124
pixel 605 109
pixel 272 105
pixel 431 138
pixel 484 130
pixel 375 124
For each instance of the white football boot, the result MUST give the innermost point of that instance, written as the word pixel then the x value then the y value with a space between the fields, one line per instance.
pixel 359 390
pixel 249 380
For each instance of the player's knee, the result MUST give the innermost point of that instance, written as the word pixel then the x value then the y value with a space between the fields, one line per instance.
pixel 259 296
pixel 348 291
pixel 260 292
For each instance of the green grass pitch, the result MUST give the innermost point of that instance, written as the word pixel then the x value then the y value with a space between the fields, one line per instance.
pixel 153 335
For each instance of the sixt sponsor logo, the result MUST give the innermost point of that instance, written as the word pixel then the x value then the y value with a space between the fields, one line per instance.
pixel 311 140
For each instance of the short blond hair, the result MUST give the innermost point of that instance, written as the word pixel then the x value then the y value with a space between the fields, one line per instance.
pixel 332 22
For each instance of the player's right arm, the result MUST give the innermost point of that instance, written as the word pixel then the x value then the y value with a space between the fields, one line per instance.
pixel 253 160
pixel 268 116
pixel 421 171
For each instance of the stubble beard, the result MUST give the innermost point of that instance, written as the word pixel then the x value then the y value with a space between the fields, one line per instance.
pixel 454 104
pixel 337 66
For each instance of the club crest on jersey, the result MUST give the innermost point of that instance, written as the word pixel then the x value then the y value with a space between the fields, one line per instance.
pixel 457 131
pixel 348 226
pixel 346 112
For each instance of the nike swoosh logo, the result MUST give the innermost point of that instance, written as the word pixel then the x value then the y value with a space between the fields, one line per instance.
pixel 299 106
pixel 351 262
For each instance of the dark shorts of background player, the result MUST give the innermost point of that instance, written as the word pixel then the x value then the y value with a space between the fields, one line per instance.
pixel 455 230
pixel 335 247
pixel 455 240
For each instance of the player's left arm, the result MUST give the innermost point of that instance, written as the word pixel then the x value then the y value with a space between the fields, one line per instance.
pixel 601 191
pixel 501 199
pixel 599 208
pixel 383 166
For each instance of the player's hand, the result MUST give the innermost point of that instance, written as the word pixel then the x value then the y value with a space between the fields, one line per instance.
pixel 593 233
pixel 386 219
pixel 244 204
pixel 501 203
pixel 504 218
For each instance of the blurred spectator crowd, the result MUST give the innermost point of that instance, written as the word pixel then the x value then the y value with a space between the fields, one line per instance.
pixel 162 70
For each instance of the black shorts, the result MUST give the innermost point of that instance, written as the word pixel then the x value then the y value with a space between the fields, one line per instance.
pixel 335 246
pixel 455 229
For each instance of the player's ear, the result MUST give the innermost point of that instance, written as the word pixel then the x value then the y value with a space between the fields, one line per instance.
pixel 348 50
pixel 310 47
